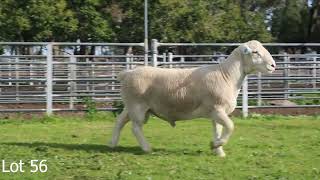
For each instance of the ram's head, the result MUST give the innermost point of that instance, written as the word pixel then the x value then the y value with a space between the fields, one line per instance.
pixel 257 58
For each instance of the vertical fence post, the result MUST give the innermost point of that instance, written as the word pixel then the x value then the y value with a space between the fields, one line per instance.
pixel 131 61
pixel 49 79
pixel 245 97
pixel 314 72
pixel 72 75
pixel 170 59
pixel 10 73
pixel 113 76
pixel 92 75
pixel 286 74
pixel 88 74
pixel 181 61
pixel 146 53
pixel 1 84
pixel 31 73
pixel 154 47
pixel 16 68
pixel 127 61
pixel 259 89
pixel 146 44
pixel 164 59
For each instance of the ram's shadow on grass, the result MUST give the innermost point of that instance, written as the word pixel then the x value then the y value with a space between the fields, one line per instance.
pixel 82 147
pixel 102 148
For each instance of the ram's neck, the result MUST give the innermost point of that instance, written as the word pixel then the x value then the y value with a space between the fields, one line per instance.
pixel 232 69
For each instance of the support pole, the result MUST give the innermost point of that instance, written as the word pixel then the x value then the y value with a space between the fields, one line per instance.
pixel 127 62
pixel 146 48
pixel 154 46
pixel 286 74
pixel 259 89
pixel 245 97
pixel 170 59
pixel 314 73
pixel 181 61
pixel 17 77
pixel 131 61
pixel 72 75
pixel 49 80
pixel 164 58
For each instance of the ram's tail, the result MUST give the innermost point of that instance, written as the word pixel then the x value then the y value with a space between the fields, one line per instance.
pixel 121 75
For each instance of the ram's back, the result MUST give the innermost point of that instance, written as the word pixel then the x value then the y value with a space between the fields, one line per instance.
pixel 145 79
pixel 159 88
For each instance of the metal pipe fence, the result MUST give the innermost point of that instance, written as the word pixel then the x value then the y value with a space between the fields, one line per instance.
pixel 49 77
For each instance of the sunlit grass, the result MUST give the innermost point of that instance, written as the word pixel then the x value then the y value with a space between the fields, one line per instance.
pixel 262 147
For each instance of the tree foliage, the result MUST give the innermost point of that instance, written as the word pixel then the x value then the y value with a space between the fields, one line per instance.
pixel 169 20
pixel 94 21
pixel 314 23
pixel 290 21
pixel 35 20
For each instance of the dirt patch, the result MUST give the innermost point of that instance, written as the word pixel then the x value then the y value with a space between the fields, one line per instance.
pixel 281 111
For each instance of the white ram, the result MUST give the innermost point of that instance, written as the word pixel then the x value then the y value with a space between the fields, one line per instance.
pixel 183 94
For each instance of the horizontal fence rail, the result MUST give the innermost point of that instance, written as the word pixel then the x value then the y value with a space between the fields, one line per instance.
pixel 50 77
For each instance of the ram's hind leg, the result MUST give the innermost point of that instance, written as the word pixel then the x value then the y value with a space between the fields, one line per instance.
pixel 122 120
pixel 138 115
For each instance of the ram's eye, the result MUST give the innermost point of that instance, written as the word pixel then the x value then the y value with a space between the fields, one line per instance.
pixel 256 52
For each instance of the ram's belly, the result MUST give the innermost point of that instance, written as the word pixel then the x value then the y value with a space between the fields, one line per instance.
pixel 177 110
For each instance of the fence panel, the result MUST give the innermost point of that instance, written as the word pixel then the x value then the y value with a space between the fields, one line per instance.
pixel 52 77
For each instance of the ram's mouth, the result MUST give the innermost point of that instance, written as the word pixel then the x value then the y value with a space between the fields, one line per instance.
pixel 270 70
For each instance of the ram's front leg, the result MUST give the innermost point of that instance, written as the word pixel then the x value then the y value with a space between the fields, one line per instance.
pixel 222 120
pixel 217 132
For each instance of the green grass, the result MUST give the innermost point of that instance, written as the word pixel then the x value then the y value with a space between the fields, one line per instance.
pixel 262 147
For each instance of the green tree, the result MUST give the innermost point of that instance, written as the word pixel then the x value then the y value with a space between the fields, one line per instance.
pixel 128 20
pixel 290 21
pixel 169 20
pixel 205 21
pixel 240 25
pixel 35 20
pixel 314 27
pixel 94 21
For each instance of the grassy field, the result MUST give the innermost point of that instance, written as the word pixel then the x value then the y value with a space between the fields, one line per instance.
pixel 262 147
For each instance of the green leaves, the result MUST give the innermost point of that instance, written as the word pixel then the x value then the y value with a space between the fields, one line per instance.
pixel 290 21
pixel 93 23
pixel 47 20
pixel 219 21
pixel 169 20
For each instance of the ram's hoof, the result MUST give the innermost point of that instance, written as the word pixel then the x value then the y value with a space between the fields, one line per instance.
pixel 215 145
pixel 111 145
pixel 147 150
pixel 219 152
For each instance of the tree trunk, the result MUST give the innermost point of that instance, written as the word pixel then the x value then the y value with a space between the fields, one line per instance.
pixel 314 27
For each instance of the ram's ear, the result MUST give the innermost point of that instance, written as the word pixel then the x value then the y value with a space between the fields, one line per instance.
pixel 246 49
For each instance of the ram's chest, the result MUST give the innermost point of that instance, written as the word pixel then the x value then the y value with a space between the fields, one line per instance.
pixel 232 102
pixel 225 98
